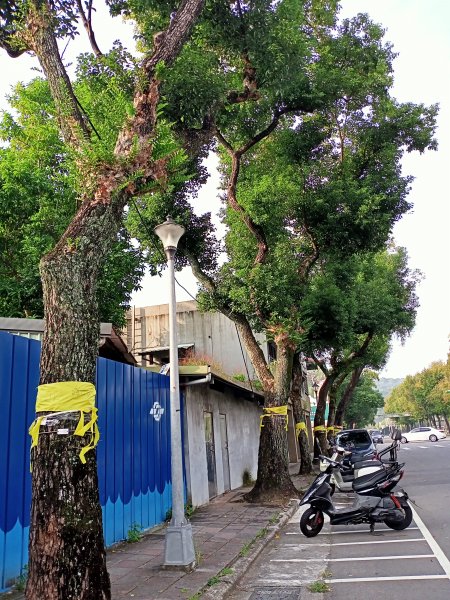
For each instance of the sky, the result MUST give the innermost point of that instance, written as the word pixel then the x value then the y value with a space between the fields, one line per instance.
pixel 418 30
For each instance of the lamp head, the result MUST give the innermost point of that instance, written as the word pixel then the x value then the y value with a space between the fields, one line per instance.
pixel 169 233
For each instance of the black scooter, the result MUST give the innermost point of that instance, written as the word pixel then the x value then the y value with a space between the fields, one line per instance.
pixel 374 501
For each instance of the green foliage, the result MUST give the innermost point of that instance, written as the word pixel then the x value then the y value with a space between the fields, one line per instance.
pixel 216 579
pixel 422 395
pixel 21 581
pixel 38 198
pixel 247 479
pixel 365 402
pixel 134 533
pixel 319 587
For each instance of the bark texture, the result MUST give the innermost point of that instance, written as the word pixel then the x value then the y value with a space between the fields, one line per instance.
pixel 299 417
pixel 273 483
pixel 320 437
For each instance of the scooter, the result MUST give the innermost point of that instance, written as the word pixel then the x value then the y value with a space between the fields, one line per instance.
pixel 374 501
pixel 343 477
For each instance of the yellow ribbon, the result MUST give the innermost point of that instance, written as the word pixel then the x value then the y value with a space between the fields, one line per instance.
pixel 274 410
pixel 300 427
pixel 68 396
pixel 320 428
pixel 334 428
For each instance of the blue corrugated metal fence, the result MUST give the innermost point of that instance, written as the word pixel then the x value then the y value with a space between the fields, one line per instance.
pixel 133 453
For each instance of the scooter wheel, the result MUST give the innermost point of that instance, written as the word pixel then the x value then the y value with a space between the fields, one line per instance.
pixel 311 522
pixel 403 524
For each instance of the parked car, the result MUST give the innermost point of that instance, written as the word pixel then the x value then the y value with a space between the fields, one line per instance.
pixel 358 441
pixel 422 434
pixel 377 436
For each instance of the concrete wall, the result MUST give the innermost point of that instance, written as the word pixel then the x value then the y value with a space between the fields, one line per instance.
pixel 212 334
pixel 243 439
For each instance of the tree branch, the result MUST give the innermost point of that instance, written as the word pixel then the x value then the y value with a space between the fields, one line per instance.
pixel 87 23
pixel 39 36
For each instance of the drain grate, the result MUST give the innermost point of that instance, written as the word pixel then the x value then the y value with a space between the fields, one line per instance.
pixel 276 594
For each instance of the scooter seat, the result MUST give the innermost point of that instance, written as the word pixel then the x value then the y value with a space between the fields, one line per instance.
pixel 369 480
pixel 367 463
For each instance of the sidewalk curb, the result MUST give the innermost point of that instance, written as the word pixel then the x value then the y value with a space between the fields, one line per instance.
pixel 240 564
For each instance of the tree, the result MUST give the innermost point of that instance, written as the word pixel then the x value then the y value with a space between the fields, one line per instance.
pixel 310 144
pixel 365 401
pixel 422 396
pixel 358 305
pixel 38 198
pixel 67 557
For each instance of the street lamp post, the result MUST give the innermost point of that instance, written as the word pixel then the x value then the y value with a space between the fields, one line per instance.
pixel 179 544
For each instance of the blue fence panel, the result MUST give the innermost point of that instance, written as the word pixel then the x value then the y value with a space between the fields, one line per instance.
pixel 133 453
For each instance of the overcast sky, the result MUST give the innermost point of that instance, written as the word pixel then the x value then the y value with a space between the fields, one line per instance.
pixel 419 32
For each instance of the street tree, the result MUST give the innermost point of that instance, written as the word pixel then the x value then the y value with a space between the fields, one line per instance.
pixel 358 305
pixel 66 550
pixel 310 143
pixel 364 403
pixel 423 396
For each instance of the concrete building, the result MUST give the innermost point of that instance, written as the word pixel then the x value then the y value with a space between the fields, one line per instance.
pixel 209 336
pixel 222 403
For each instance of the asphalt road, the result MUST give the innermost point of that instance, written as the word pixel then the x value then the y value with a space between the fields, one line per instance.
pixel 427 481
pixel 413 564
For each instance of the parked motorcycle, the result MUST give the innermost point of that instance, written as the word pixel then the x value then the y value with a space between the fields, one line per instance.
pixel 374 501
pixel 342 477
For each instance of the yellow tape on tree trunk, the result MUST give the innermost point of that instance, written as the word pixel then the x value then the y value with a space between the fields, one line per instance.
pixel 274 410
pixel 334 428
pixel 320 428
pixel 300 427
pixel 68 396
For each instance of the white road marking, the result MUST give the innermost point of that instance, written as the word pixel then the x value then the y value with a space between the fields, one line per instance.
pixel 362 558
pixel 378 579
pixel 438 446
pixel 290 581
pixel 301 546
pixel 349 531
pixel 426 447
pixel 443 560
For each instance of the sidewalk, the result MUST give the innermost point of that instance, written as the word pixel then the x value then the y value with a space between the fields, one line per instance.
pixel 228 534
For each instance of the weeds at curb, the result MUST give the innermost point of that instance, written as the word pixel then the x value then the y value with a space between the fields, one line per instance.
pixel 319 587
pixel 247 547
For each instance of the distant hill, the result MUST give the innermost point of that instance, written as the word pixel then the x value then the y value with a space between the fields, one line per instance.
pixel 385 385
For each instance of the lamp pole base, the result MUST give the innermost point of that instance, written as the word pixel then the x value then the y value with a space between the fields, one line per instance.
pixel 179 548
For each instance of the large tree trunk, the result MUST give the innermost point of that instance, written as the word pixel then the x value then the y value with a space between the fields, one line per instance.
pixel 273 482
pixel 320 432
pixel 299 418
pixel 66 519
pixel 332 427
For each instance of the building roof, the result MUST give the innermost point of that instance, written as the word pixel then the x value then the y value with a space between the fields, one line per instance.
pixel 111 344
pixel 191 373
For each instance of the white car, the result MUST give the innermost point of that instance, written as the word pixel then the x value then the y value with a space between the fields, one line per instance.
pixel 422 434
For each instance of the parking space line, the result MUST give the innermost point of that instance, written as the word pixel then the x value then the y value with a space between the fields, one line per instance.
pixel 350 531
pixel 351 559
pixel 301 546
pixel 439 554
pixel 378 579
